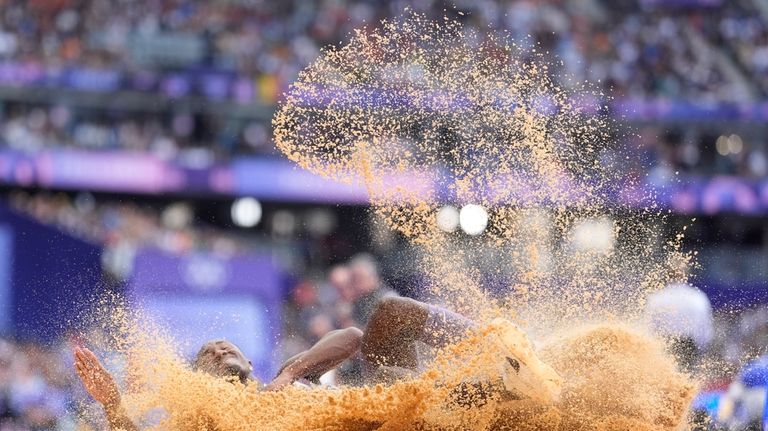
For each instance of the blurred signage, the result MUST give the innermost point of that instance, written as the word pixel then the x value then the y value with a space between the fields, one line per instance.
pixel 217 85
pixel 131 172
pixel 113 171
pixel 279 180
pixel 660 109
pixel 93 79
pixel 167 49
pixel 211 84
pixel 202 296
pixel 719 194
pixel 204 272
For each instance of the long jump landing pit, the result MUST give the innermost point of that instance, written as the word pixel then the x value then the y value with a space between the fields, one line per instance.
pixel 423 112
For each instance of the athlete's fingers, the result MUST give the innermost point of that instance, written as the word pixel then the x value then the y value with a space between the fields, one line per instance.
pixel 79 364
pixel 97 363
pixel 85 366
pixel 88 354
pixel 82 358
pixel 88 373
pixel 92 359
pixel 82 374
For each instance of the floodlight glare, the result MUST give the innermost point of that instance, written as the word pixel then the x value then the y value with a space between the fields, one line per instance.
pixel 473 219
pixel 246 212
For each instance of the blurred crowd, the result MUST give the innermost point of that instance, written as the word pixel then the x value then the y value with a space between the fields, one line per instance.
pixel 744 32
pixel 701 54
pixel 658 51
pixel 38 390
pixel 200 141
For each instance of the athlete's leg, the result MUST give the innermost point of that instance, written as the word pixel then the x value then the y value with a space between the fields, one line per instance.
pixel 397 323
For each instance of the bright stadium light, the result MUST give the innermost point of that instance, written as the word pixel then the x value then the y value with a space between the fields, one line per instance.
pixel 735 144
pixel 447 218
pixel 594 235
pixel 473 219
pixel 246 212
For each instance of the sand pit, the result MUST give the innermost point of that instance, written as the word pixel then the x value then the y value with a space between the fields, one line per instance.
pixel 615 378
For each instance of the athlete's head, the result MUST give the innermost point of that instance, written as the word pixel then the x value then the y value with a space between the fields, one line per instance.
pixel 223 359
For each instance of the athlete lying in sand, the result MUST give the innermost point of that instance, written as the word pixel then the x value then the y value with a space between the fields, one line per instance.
pixel 222 359
pixel 389 341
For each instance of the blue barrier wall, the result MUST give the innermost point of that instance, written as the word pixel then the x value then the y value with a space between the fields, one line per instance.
pixel 47 278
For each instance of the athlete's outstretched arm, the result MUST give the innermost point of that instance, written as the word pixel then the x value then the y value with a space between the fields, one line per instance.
pixel 102 387
pixel 333 349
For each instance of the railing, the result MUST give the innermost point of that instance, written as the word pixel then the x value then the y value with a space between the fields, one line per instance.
pixel 279 180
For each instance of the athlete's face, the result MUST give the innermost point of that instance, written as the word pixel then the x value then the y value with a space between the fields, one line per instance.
pixel 223 359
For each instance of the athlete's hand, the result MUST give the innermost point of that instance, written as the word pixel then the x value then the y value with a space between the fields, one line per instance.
pixel 282 380
pixel 96 379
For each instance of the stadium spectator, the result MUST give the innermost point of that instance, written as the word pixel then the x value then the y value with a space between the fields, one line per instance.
pixel 368 287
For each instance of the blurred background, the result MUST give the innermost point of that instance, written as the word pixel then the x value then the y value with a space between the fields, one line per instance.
pixel 136 157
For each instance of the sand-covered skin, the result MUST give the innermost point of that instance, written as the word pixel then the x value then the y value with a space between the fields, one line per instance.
pixel 424 113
